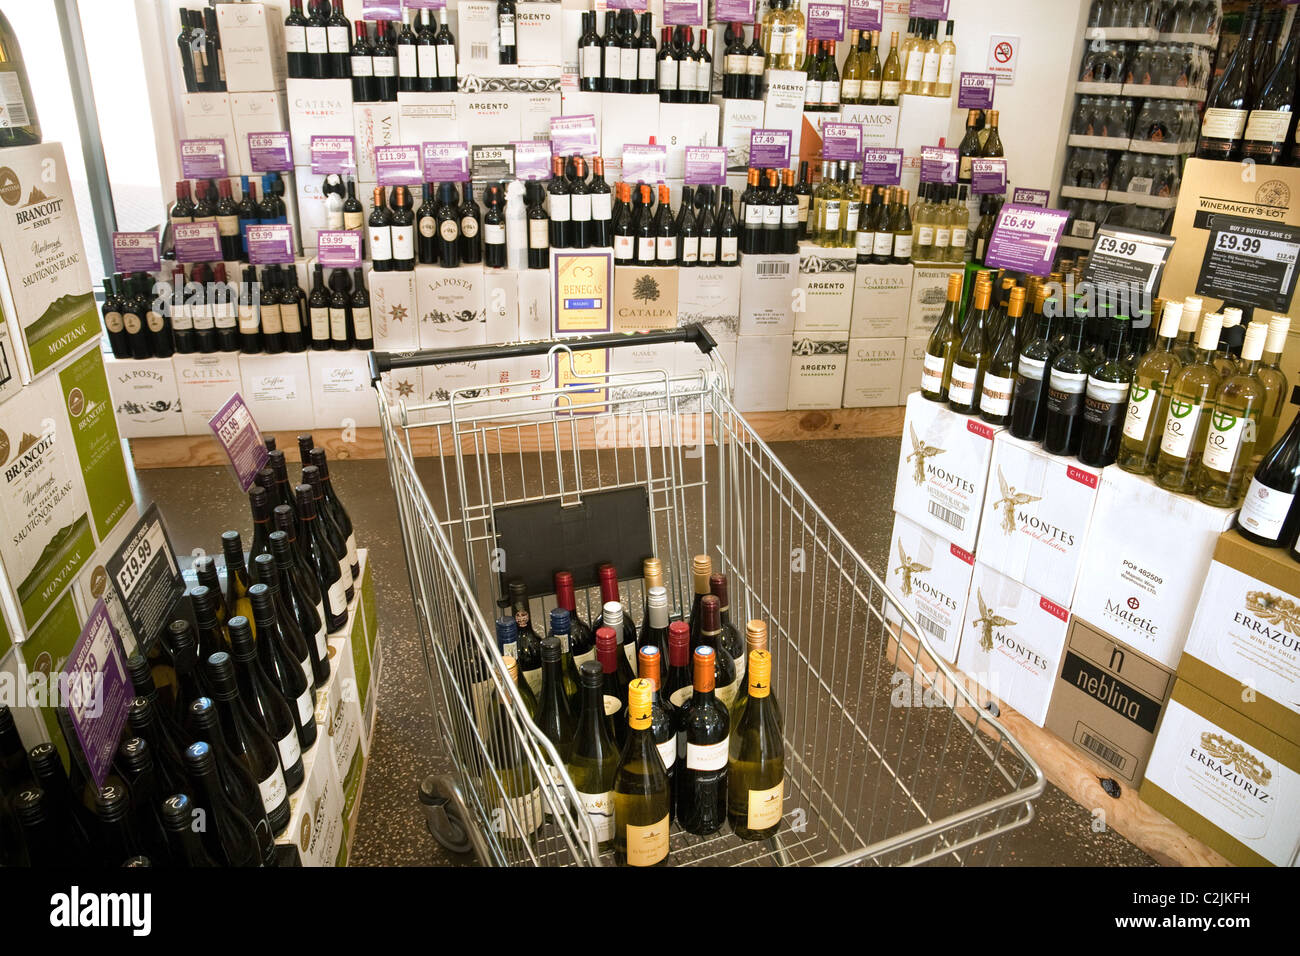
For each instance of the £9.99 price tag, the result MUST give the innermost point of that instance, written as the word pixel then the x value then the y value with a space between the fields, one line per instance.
pixel 1249 262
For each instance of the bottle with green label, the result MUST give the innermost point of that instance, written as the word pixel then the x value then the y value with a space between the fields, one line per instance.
pixel 1234 427
pixel 1191 398
pixel 1148 400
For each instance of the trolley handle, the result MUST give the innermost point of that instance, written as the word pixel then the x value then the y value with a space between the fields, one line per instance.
pixel 381 362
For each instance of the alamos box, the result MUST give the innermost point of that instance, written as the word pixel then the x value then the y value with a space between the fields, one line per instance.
pixel 825 292
pixel 1012 641
pixel 1036 516
pixel 882 296
pixel 1226 780
pixel 645 298
pixel 83 387
pixel 931 578
pixel 146 398
pixel 874 370
pixel 943 469
pixel 710 296
pixel 1108 700
pixel 1142 588
pixel 1244 646
pixel 45 290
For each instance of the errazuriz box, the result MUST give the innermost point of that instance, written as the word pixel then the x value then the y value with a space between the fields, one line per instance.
pixel 146 398
pixel 45 291
pixel 824 296
pixel 930 577
pixel 817 364
pixel 1012 641
pixel 1036 516
pixel 1108 700
pixel 875 368
pixel 881 296
pixel 318 108
pixel 711 297
pixel 451 306
pixel 205 383
pixel 943 470
pixel 277 389
pixel 258 113
pixel 762 373
pixel 1226 780
pixel 929 293
pixel 1142 586
pixel 1244 645
pixel 645 298
pixel 252 45
pixel 767 287
pixel 342 396
pixel 393 310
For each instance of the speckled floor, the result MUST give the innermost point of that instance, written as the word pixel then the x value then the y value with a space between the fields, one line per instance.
pixel 199 503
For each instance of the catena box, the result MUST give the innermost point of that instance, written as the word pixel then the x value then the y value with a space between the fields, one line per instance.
pixel 943 469
pixel 205 382
pixel 45 288
pixel 1108 700
pixel 913 365
pixel 931 578
pixel 1011 641
pixel 1228 781
pixel 146 399
pixel 882 296
pixel 817 364
pixel 874 370
pixel 1142 588
pixel 1036 516
pixel 824 297
pixel 1244 645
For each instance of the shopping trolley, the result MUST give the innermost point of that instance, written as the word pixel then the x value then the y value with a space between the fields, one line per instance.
pixel 888 758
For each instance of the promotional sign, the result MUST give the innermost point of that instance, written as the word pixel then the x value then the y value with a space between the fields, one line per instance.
pixel 882 167
pixel 928 9
pixel 825 21
pixel 136 252
pixel 865 15
pixel 1023 196
pixel 398 166
pixel 939 164
pixel 574 135
pixel 492 164
pixel 1025 239
pixel 381 9
pixel 339 248
pixel 203 158
pixel 769 148
pixel 99 693
pixel 731 11
pixel 333 154
pixel 706 165
pixel 842 141
pixel 241 439
pixel 975 91
pixel 685 13
pixel 196 241
pixel 146 582
pixel 638 6
pixel 1127 258
pixel 1249 262
pixel 988 176
pixel 271 152
pixel 532 160
pixel 644 164
pixel 269 244
pixel 446 162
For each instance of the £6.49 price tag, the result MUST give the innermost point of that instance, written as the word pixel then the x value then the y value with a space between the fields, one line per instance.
pixel 1025 239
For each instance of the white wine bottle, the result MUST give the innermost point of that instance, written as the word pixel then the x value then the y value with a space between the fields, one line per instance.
pixel 1274 379
pixel 756 765
pixel 516 791
pixel 641 792
pixel 1234 427
pixel 942 346
pixel 1148 400
pixel 593 759
pixel 1192 395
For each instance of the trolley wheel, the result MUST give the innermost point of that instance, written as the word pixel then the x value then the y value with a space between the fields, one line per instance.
pixel 443 815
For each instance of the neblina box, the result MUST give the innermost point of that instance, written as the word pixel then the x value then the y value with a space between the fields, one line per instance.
pixel 930 577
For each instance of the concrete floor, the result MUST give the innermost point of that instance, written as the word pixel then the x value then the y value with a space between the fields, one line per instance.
pixel 199 503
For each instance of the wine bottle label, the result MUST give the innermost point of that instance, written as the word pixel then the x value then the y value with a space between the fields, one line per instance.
pixel 345 572
pixel 403 241
pixel 790 214
pixel 629 60
pixel 947 67
pixel 305 665
pixel 154 321
pixel 735 63
pixel 812 93
pixel 687 73
pixel 580 207
pixel 763 808
pixel 602 207
pixel 925 235
pixel 612 704
pixel 871 89
pixel 449 230
pixel 1180 428
pixel 290 320
pixel 755 67
pixel 782 39
pixel 903 246
pixel 426 61
pixel 407 62
pixel 1030 369
pixel 113 321
pixel 338 325
pixel 681 695
pixel 183 322
pixel 510 649
pixel 850 90
pixel 225 318
pixel 995 395
pixel 539 236
pixel 729 252
pixel 201 316
pixel 613 58
pixel 707 756
pixel 599 808
pixel 317 40
pixel 1223 124
pixel 958 237
pixel 506 24
pixel 427 226
pixel 830 94
pixel 913 71
pixel 666 249
pixel 771 214
pixel 645 248
pixel 883 244
pixel 523 815
pixel 353 220
pixel 336 38
pixel 1264 509
pixel 863 242
pixel 385 66
pixel 1141 403
pixel 381 243
pixel 831 217
pixel 591 62
pixel 446 60
pixel 290 753
pixel 942 238
pixel 306 707
pixel 295 39
pixel 228 225
pixel 964 169
pixel 961 389
pixel 1268 126
pixel 645 69
pixel 362 66
pixel 322 645
pixel 273 790
pixel 587 655
pixel 361 325
pixel 668 752
pixel 1065 392
pixel 469 227
pixel 559 207
pixel 852 217
pixel 624 247
pixel 1103 402
pixel 727 695
pixel 647 845
pixel 1223 441
pixel 930 67
pixel 247 320
pixel 494 234
pixel 337 596
pixel 534 679
pixel 131 322
pixel 753 214
pixel 704 78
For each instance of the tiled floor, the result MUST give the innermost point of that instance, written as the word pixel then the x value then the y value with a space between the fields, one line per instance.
pixel 852 480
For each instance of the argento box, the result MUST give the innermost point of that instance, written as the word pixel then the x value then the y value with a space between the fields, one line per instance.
pixel 824 299
pixel 817 364
pixel 1142 588
pixel 929 293
pixel 1036 516
pixel 875 367
pixel 1228 781
pixel 767 286
pixel 930 577
pixel 710 297
pixel 882 296
pixel 943 470
pixel 1244 646
pixel 451 306
pixel 205 383
pixel 45 290
pixel 1011 641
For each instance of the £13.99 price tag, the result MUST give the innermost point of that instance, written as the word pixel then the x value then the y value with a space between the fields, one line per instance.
pixel 1249 262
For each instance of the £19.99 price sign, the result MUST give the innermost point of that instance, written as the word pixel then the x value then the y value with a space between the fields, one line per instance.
pixel 1248 262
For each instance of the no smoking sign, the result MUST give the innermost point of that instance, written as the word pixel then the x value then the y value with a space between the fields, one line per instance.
pixel 1004 51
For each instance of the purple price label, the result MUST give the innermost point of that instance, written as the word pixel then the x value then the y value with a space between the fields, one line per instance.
pixel 197 241
pixel 271 152
pixel 241 440
pixel 425 4
pixel 734 11
pixel 928 9
pixel 988 175
pixel 769 148
pixel 842 141
pixel 136 252
pixel 398 166
pixel 939 164
pixel 975 91
pixel 339 248
pixel 97 691
pixel 574 135
pixel 203 158
pixel 865 15
pixel 333 154
pixel 446 162
pixel 640 6
pixel 381 9
pixel 1023 196
pixel 1025 239
pixel 685 13
pixel 825 21
pixel 706 165
pixel 882 167
pixel 532 159
pixel 644 164
pixel 269 244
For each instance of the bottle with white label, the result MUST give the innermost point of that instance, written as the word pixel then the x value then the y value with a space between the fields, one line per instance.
pixel 663 715
pixel 1234 427
pixel 518 791
pixel 1000 378
pixel 1148 400
pixel 1105 397
pixel 947 64
pixel 276 656
pixel 1067 380
pixel 1190 401
pixel 322 559
pixel 642 790
pixel 1267 514
pixel 593 758
pixel 966 383
pixel 265 702
pixel 756 762
pixel 554 712
pixel 701 795
pixel 235 838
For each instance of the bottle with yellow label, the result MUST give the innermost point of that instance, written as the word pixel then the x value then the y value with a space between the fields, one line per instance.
pixel 756 767
pixel 641 792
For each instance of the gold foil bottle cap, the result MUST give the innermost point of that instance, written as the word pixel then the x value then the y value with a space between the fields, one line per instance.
pixel 640 694
pixel 760 673
pixel 512 667
pixel 652 569
pixel 702 566
pixel 756 635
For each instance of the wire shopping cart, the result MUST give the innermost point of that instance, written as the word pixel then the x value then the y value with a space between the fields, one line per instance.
pixel 888 759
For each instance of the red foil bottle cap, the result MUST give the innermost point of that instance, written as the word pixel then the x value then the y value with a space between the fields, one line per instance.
pixel 679 643
pixel 564 595
pixel 606 649
pixel 608 582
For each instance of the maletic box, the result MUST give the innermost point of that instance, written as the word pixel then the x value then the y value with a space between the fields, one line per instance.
pixel 817 364
pixel 930 577
pixel 1036 516
pixel 451 307
pixel 767 287
pixel 1244 645
pixel 146 398
pixel 1142 588
pixel 875 367
pixel 824 297
pixel 929 294
pixel 252 45
pixel 882 297
pixel 1108 700
pixel 1228 781
pixel 943 470
pixel 1012 641
pixel 645 298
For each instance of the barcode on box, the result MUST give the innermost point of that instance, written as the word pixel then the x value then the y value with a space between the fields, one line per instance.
pixel 947 515
pixel 772 269
pixel 478 51
pixel 1108 754
pixel 934 628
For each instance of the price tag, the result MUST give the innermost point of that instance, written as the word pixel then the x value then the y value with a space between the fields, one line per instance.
pixel 145 582
pixel 492 164
pixel 424 4
pixel 882 167
pixel 975 91
pixel 865 15
pixel 270 243
pixel 988 176
pixel 241 440
pixel 574 135
pixel 734 11
pixel 196 242
pixel 136 252
pixel 1023 196
pixel 532 160
pixel 398 166
pixel 203 158
pixel 99 692
pixel 339 248
pixel 270 152
pixel 446 162
pixel 825 21
pixel 381 9
pixel 1249 262
pixel 1025 239
pixel 769 148
pixel 928 9
pixel 706 166
pixel 842 141
pixel 939 164
pixel 644 164
pixel 685 13
pixel 1127 259
pixel 639 6
pixel 333 154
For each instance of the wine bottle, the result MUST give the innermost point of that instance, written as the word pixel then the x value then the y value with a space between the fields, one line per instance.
pixel 1148 400
pixel 249 740
pixel 942 346
pixel 324 561
pixel 150 719
pixel 720 237
pixel 1105 399
pixel 623 626
pixel 655 632
pixel 266 703
pixel 515 792
pixel 642 795
pixel 731 642
pixel 512 667
pixel 1191 395
pixel 205 571
pixel 384 62
pixel 327 523
pixel 334 506
pixel 1223 123
pixel 582 639
pixel 677 686
pixel 1273 379
pixel 230 837
pixel 234 776
pixel 62 806
pixel 39 833
pixel 539 227
pixel 299 645
pixel 966 382
pixel 701 796
pixel 1267 516
pixel 999 380
pixel 361 63
pixel 554 713
pixel 663 715
pixel 530 642
pixel 183 839
pixel 593 758
pixel 616 674
pixel 295 44
pixel 117 837
pixel 305 575
pixel 1233 428
pixel 1270 127
pixel 756 764
pixel 1067 379
pixel 446 50
pixel 135 758
pixel 381 234
pixel 282 667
